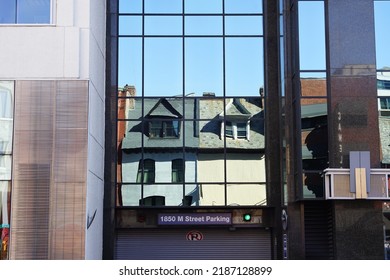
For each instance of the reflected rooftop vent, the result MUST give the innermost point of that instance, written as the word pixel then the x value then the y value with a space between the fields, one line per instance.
pixel 211 94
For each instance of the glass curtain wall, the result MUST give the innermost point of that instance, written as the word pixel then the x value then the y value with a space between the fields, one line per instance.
pixel 382 41
pixel 313 96
pixel 190 103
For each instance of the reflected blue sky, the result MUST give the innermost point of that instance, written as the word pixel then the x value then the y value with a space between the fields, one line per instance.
pixel 204 68
pixel 382 33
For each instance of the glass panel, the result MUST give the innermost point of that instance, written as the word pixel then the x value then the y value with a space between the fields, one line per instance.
pixel 382 40
pixel 130 63
pixel 313 84
pixel 203 6
pixel 243 6
pixel 192 195
pixel 246 194
pixel 8 11
pixel 130 6
pixel 212 194
pixel 314 133
pixel 313 185
pixel 5 167
pixel 163 195
pixel 130 25
pixel 244 25
pixel 163 6
pixel 129 195
pixel 163 73
pixel 244 66
pixel 311 35
pixel 245 167
pixel 178 171
pixel 190 166
pixel 33 11
pixel 204 66
pixel 211 167
pixel 203 25
pixel 163 25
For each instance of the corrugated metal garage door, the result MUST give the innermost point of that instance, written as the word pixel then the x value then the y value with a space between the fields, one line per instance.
pixel 172 244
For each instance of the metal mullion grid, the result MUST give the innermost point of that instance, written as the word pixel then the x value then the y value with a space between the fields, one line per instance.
pixel 183 104
pixel 142 100
pixel 224 100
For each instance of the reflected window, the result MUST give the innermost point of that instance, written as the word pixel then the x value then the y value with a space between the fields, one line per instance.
pixel 164 129
pixel 177 171
pixel 383 84
pixel 236 130
pixel 25 11
pixel 146 171
pixel 385 103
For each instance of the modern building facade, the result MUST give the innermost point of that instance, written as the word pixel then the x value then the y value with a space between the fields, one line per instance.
pixel 194 129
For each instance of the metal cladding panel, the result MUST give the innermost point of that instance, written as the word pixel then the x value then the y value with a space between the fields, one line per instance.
pixel 172 244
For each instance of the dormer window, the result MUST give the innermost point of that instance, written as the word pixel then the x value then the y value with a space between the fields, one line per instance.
pixel 164 129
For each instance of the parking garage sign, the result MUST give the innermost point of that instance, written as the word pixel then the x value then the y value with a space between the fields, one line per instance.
pixel 195 219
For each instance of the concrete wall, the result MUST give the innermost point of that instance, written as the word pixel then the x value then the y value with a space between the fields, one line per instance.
pixel 72 47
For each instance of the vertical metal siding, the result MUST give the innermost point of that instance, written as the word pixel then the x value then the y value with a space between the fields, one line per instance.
pixel 171 244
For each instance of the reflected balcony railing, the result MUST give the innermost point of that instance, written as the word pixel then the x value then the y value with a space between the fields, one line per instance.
pixel 338 184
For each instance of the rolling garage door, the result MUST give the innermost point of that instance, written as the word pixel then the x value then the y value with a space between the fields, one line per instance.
pixel 176 244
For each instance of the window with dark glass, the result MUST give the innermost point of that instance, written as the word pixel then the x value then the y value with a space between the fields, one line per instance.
pixel 25 11
pixel 177 171
pixel 146 171
pixel 164 129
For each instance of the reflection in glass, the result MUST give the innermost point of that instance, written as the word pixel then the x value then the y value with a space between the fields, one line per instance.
pixel 33 11
pixel 246 194
pixel 203 25
pixel 204 66
pixel 130 25
pixel 163 6
pixel 130 6
pixel 163 25
pixel 242 167
pixel 313 84
pixel 128 195
pixel 243 6
pixel 382 40
pixel 313 185
pixel 212 195
pixel 163 67
pixel 203 6
pixel 314 145
pixel 163 195
pixel 130 63
pixel 244 66
pixel 244 25
pixel 5 209
pixel 7 12
pixel 311 35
